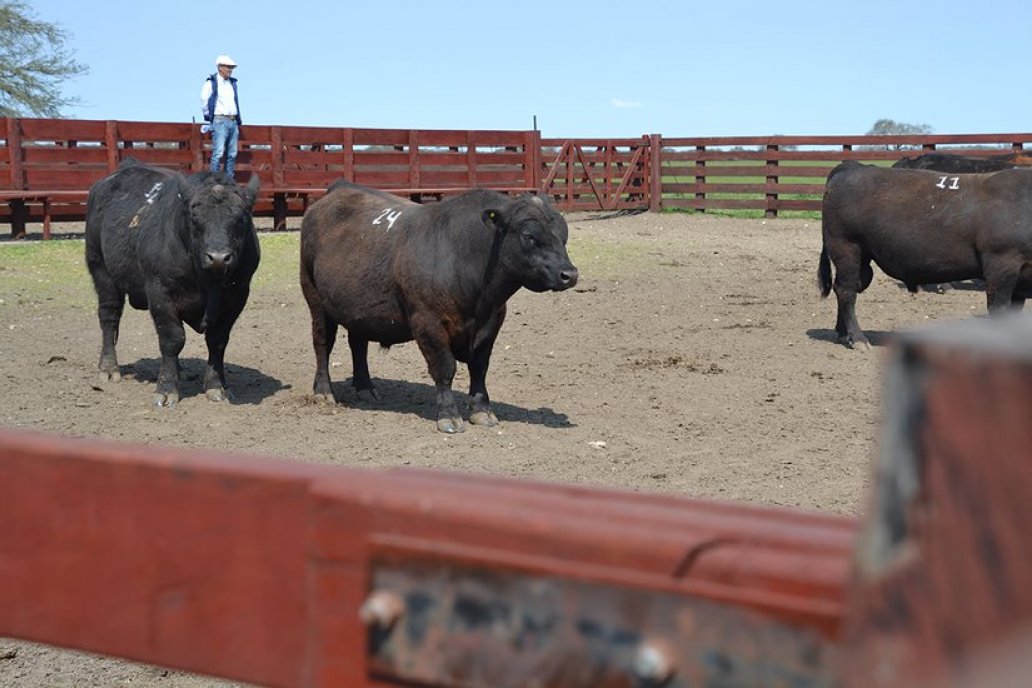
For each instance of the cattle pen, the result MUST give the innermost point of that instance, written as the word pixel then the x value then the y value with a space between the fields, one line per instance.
pixel 48 165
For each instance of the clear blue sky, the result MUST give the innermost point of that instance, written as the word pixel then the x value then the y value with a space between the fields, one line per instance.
pixel 585 69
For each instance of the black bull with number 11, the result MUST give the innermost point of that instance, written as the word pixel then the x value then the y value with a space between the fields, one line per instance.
pixel 390 271
pixel 920 227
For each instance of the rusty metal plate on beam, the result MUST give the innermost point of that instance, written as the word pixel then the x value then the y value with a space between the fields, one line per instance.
pixel 439 624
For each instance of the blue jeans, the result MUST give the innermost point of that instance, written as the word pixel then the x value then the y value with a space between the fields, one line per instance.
pixel 224 135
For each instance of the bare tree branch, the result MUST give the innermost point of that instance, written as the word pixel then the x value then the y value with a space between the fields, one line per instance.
pixel 34 63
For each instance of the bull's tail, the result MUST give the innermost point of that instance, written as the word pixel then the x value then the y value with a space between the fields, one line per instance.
pixel 824 273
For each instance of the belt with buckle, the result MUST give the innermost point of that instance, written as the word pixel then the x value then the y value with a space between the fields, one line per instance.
pixel 225 116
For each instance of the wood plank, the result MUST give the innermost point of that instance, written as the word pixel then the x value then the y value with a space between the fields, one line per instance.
pixel 71 178
pixel 63 157
pixel 33 129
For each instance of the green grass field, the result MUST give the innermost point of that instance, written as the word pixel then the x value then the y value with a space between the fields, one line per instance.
pixel 713 177
pixel 54 273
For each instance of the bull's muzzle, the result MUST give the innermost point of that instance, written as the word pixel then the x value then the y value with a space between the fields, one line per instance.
pixel 218 261
pixel 568 277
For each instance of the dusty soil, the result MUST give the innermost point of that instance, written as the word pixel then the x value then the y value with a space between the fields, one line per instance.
pixel 694 357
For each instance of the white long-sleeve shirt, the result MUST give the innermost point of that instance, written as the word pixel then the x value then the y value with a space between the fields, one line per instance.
pixel 224 103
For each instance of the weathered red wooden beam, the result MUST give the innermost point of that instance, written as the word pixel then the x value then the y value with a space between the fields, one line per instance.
pixel 944 579
pixel 257 570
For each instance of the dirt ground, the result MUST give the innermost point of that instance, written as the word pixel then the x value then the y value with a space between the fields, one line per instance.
pixel 694 357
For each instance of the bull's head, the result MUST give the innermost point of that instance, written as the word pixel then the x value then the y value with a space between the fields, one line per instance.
pixel 219 218
pixel 534 243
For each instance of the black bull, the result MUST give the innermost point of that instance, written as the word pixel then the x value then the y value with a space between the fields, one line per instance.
pixel 921 227
pixel 389 271
pixel 184 248
pixel 960 164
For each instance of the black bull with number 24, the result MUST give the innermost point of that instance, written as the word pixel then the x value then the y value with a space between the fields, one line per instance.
pixel 389 270
pixel 920 227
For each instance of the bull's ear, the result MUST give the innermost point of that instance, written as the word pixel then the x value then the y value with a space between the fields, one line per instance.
pixel 182 185
pixel 251 190
pixel 493 218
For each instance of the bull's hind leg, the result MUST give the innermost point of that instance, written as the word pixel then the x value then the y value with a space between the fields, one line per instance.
pixel 324 335
pixel 853 274
pixel 360 378
pixel 1000 284
pixel 110 303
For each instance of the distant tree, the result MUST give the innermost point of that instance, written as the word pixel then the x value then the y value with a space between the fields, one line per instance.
pixel 889 127
pixel 33 63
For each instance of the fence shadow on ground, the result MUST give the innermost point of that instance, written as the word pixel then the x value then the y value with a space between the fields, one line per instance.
pixel 415 398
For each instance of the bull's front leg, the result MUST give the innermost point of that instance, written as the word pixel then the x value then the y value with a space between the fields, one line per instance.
pixel 220 315
pixel 480 412
pixel 479 401
pixel 171 339
pixel 433 342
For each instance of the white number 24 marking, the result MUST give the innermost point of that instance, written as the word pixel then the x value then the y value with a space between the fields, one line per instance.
pixel 390 215
pixel 954 183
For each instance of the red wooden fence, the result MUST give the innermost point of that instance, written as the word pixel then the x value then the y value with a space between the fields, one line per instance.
pixel 289 574
pixel 47 165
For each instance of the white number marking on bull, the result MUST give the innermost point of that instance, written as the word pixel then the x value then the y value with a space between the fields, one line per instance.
pixel 954 183
pixel 390 215
pixel 153 192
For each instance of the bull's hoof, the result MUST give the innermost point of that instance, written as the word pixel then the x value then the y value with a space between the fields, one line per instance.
pixel 450 425
pixel 325 398
pixel 369 396
pixel 110 376
pixel 169 400
pixel 217 394
pixel 485 418
pixel 861 345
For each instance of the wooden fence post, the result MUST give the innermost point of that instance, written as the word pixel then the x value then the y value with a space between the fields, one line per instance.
pixel 347 140
pixel 111 143
pixel 532 156
pixel 656 172
pixel 772 180
pixel 197 149
pixel 700 180
pixel 19 210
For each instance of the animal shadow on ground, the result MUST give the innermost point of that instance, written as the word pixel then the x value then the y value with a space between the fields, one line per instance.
pixel 245 385
pixel 875 337
pixel 401 396
pixel 962 285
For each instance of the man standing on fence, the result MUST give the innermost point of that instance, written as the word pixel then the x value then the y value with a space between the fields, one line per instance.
pixel 221 109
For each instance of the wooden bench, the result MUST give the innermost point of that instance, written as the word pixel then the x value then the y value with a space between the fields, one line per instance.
pixel 19 200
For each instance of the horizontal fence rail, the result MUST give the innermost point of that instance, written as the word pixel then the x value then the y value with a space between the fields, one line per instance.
pixel 48 165
pixel 779 173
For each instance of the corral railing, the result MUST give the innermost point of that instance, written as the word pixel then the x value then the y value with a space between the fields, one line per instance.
pixel 296 575
pixel 48 165
pixel 778 173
